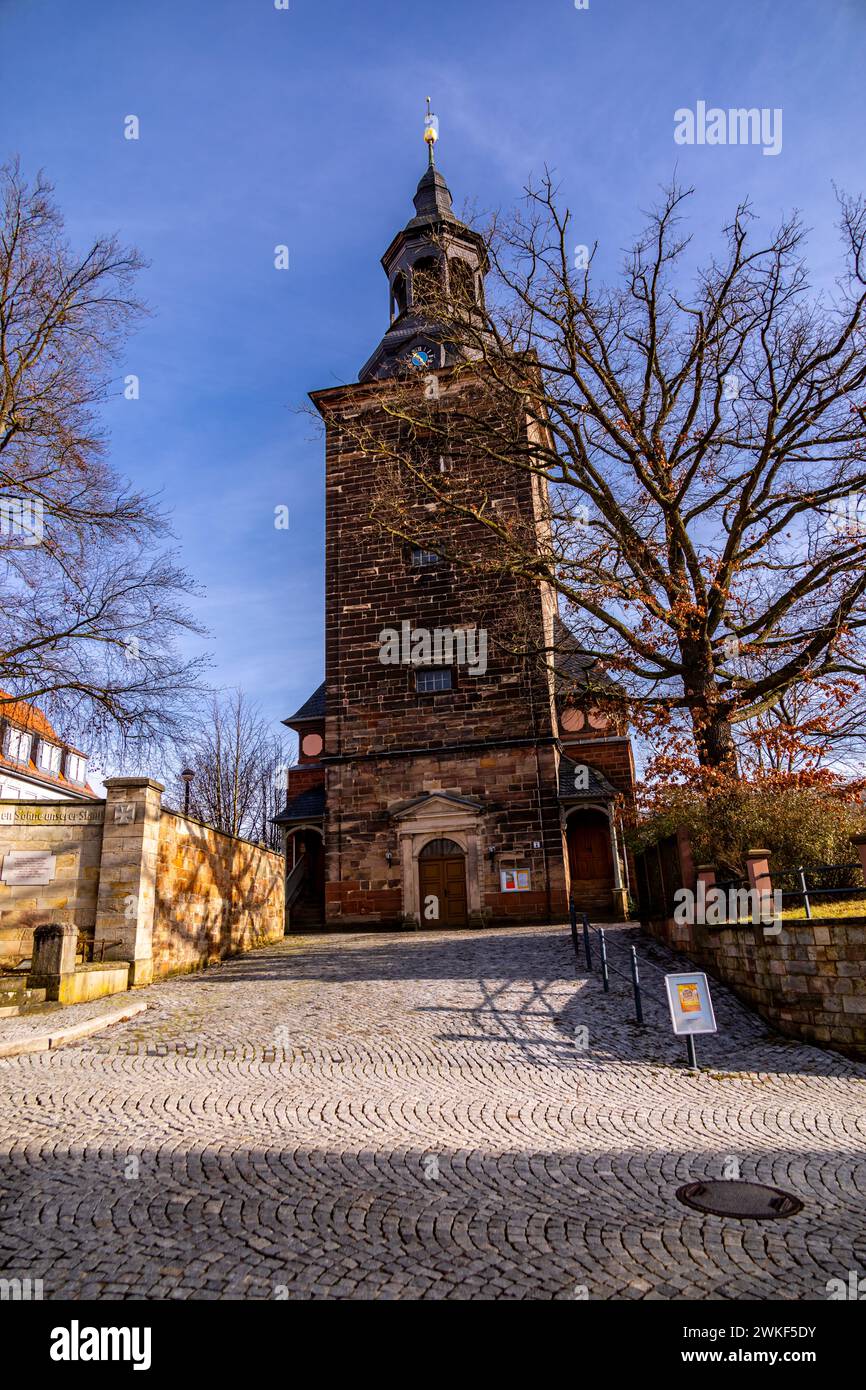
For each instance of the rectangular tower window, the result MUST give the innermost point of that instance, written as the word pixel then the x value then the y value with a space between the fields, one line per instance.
pixel 419 556
pixel 431 682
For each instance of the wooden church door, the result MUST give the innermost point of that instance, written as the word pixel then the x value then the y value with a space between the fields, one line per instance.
pixel 442 875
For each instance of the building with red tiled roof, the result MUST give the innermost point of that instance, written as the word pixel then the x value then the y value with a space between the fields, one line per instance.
pixel 35 762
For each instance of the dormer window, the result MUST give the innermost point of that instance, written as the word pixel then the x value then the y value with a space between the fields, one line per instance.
pixel 76 768
pixel 48 758
pixel 419 558
pixel 18 745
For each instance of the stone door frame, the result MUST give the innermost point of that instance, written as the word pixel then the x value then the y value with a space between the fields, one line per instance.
pixel 438 816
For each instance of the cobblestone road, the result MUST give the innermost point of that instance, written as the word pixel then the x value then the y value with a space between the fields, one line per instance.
pixel 408 1116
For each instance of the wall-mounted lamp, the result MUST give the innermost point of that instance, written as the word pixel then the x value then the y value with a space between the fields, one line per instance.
pixel 491 851
pixel 388 857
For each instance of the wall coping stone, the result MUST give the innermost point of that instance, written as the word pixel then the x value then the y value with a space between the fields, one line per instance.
pixel 205 825
pixel 113 782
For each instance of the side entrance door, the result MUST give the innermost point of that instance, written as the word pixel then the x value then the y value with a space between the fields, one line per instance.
pixel 589 845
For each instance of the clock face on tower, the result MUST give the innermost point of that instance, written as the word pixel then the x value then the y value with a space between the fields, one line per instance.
pixel 420 358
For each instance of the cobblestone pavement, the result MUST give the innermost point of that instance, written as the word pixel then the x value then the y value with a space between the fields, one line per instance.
pixel 408 1116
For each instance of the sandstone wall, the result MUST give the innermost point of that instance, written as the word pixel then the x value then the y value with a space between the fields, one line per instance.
pixel 215 896
pixel 362 889
pixel 155 889
pixel 808 980
pixel 72 833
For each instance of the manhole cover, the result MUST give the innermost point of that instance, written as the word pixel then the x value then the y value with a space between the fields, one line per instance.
pixel 739 1199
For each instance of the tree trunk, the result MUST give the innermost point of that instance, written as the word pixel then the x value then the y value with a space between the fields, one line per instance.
pixel 715 741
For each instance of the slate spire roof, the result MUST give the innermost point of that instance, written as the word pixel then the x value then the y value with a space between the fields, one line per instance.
pixel 313 708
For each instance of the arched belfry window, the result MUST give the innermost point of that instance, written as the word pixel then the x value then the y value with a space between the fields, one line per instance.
pixel 399 295
pixel 462 282
pixel 426 280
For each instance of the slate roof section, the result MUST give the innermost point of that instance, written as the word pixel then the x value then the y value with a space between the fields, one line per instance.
pixel 568 656
pixel 307 805
pixel 599 789
pixel 314 708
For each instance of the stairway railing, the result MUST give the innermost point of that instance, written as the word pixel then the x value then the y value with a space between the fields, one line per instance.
pixel 296 881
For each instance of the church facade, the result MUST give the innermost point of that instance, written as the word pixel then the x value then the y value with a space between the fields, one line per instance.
pixel 460 790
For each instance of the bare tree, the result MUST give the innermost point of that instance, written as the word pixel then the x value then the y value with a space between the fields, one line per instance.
pixel 699 456
pixel 91 611
pixel 240 769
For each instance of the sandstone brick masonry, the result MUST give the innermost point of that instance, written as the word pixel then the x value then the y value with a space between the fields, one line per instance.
pixel 71 833
pixel 490 739
pixel 505 782
pixel 809 981
pixel 149 886
pixel 215 896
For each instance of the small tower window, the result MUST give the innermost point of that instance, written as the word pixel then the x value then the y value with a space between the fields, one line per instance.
pixel 432 682
pixel 419 558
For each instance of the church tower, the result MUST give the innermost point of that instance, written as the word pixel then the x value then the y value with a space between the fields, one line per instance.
pixel 428 786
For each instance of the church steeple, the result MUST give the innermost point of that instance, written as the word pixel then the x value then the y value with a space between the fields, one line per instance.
pixel 434 243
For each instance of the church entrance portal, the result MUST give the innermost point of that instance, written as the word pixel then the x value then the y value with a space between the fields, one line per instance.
pixel 442 876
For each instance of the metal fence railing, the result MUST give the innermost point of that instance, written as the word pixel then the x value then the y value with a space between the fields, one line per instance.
pixel 808 883
pixel 589 938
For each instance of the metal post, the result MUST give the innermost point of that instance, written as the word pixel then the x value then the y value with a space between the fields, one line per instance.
pixel 572 914
pixel 635 977
pixel 586 944
pixel 693 1056
pixel 605 975
pixel 806 902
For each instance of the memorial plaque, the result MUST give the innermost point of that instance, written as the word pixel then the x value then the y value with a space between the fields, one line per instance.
pixel 28 868
pixel 51 814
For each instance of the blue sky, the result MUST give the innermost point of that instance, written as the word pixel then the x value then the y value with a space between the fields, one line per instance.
pixel 261 127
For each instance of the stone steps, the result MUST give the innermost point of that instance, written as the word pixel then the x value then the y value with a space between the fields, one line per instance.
pixel 306 912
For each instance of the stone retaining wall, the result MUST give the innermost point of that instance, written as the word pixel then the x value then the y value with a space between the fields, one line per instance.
pixel 153 889
pixel 70 834
pixel 215 896
pixel 808 979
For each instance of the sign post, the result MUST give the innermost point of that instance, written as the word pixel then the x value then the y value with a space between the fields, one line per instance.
pixel 691 1008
